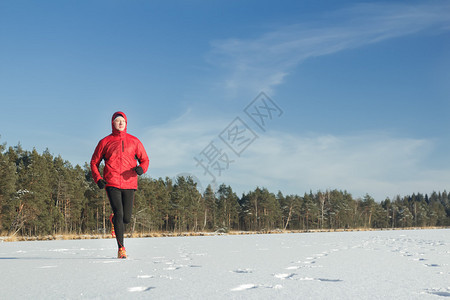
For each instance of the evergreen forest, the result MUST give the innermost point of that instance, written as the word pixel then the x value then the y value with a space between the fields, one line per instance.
pixel 41 194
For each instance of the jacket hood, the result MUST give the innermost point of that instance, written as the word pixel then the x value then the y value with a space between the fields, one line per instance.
pixel 114 130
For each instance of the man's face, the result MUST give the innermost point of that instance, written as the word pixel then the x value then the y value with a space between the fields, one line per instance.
pixel 119 123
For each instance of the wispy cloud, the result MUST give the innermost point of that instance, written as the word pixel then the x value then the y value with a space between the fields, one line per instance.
pixel 262 63
pixel 173 144
pixel 370 162
pixel 377 163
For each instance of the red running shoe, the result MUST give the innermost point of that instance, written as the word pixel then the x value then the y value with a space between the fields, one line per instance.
pixel 113 233
pixel 122 253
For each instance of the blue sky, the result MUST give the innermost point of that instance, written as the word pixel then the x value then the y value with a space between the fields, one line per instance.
pixel 361 88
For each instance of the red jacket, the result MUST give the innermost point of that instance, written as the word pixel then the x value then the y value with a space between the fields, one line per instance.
pixel 121 152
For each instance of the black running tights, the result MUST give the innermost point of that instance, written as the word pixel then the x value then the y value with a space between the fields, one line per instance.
pixel 122 205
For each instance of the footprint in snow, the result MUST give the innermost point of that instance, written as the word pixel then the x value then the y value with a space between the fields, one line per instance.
pixel 244 287
pixel 284 275
pixel 319 279
pixel 140 288
pixel 145 276
pixel 439 292
pixel 419 259
pixel 242 271
pixel 432 265
pixel 328 280
pixel 310 262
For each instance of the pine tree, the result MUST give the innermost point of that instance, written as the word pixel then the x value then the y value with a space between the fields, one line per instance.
pixel 209 220
pixel 186 201
pixel 7 188
pixel 227 208
pixel 309 213
pixel 368 206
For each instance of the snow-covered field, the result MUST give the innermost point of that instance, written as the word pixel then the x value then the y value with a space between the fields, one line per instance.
pixel 412 264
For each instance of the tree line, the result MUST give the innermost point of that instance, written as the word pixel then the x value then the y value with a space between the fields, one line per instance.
pixel 41 194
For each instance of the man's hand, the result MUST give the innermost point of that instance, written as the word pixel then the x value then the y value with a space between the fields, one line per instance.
pixel 139 170
pixel 101 184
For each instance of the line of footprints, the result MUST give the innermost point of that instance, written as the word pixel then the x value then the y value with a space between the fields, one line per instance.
pixel 401 246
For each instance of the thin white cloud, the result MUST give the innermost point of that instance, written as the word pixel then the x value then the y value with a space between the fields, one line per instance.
pixel 263 63
pixel 376 163
pixel 380 164
pixel 173 145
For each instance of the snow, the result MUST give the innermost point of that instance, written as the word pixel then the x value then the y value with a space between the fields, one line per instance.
pixel 409 264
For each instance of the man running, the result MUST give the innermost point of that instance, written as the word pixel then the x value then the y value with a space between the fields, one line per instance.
pixel 121 152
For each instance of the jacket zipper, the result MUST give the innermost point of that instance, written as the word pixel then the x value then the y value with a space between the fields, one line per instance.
pixel 121 163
